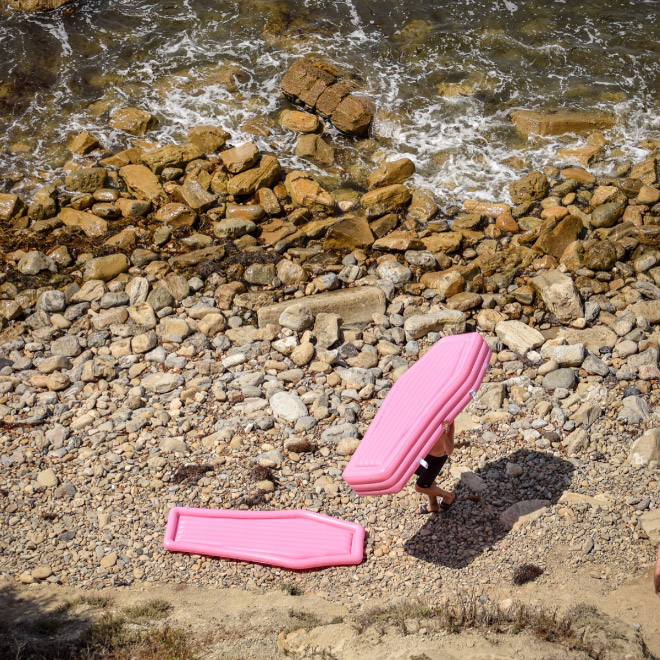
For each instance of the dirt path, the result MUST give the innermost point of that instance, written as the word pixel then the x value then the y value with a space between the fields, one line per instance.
pixel 232 623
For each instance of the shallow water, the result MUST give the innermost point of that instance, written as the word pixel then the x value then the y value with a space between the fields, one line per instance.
pixel 63 71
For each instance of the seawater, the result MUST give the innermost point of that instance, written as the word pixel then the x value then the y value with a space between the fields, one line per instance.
pixel 444 76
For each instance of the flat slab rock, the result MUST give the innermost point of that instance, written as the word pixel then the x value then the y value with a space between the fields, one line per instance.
pixel 353 305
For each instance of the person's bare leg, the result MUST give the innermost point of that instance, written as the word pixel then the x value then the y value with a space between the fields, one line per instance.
pixel 433 492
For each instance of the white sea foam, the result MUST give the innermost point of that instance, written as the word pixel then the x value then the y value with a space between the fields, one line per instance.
pixel 460 146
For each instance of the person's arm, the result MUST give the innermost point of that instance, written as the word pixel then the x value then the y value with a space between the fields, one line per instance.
pixel 656 575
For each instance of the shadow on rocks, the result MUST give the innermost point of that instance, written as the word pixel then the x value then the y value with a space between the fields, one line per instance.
pixel 472 525
pixel 33 627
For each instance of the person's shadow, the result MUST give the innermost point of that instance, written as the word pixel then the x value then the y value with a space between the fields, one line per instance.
pixel 472 525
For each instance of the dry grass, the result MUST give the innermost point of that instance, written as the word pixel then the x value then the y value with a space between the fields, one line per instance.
pixel 526 573
pixel 466 613
pixel 152 609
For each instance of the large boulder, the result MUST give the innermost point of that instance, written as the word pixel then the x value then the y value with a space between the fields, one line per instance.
pixel 558 122
pixel 321 91
pixel 396 171
pixel 559 295
pixel 133 121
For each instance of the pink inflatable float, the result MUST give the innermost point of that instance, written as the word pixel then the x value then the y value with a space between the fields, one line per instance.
pixel 295 539
pixel 435 389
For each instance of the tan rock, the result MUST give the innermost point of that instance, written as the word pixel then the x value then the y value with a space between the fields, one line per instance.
pixel 315 148
pixel 447 242
pixel 399 241
pixel 36 5
pixel 557 122
pixel 491 209
pixel 106 268
pixel 126 239
pixel 47 478
pixel 265 174
pixel 421 208
pixel 141 182
pixel 10 205
pixel 176 215
pixel 300 122
pixel 531 187
pixel 212 253
pixel 225 293
pixel 240 158
pixel 578 174
pixel 212 324
pixel 558 239
pixel 193 195
pixel 83 143
pixel 306 192
pixel 171 155
pixel 445 283
pixel 208 138
pixel 91 224
pixel 353 305
pixel 133 121
pixel 385 200
pixel 583 154
pixel 348 234
pixel 395 171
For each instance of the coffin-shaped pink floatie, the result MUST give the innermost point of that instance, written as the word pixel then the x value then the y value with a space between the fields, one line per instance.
pixel 294 539
pixel 435 389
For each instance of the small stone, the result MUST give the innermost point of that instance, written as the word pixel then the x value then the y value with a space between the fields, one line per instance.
pixel 47 478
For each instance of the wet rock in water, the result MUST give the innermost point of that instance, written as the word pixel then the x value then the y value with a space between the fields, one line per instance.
pixel 558 122
pixel 83 143
pixel 321 91
pixel 300 122
pixel 315 148
pixel 395 171
pixel 208 138
pixel 421 208
pixel 530 188
pixel 133 121
pixel 36 5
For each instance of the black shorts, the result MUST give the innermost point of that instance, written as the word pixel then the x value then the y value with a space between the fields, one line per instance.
pixel 427 475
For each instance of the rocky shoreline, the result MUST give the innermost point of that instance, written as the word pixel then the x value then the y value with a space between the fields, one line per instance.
pixel 192 325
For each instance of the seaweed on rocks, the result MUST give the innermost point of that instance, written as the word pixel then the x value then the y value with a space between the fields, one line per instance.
pixel 526 573
pixel 192 472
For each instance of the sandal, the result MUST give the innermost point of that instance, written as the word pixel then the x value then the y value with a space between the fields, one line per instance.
pixel 444 507
pixel 424 510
